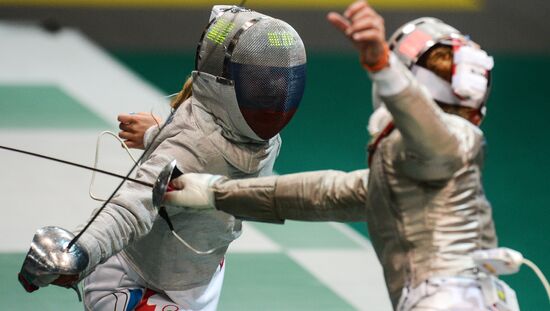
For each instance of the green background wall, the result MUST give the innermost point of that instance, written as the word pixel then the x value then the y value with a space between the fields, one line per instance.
pixel 329 131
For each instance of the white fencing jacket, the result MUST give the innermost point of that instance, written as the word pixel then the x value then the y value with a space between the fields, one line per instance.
pixel 200 142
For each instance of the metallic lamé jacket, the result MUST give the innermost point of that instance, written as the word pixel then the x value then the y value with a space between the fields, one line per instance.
pixel 426 207
pixel 422 196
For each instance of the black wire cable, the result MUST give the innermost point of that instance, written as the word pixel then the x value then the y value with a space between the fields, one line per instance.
pixel 73 241
pixel 75 164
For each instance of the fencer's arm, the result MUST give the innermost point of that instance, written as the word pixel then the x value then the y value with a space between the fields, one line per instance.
pixel 129 216
pixel 122 221
pixel 310 196
pixel 415 114
pixel 151 132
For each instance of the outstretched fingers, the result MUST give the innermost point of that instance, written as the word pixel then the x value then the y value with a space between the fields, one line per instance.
pixel 126 118
pixel 338 21
pixel 367 35
pixel 365 25
pixel 355 8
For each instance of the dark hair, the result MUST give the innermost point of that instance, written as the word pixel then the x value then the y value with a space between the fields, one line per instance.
pixel 439 60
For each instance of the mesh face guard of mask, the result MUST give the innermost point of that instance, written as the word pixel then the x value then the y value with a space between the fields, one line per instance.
pixel 263 58
pixel 470 83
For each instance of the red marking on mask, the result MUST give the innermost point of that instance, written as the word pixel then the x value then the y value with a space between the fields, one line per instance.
pixel 414 43
pixel 267 123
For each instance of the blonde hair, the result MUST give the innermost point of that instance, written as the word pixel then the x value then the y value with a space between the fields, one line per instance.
pixel 185 93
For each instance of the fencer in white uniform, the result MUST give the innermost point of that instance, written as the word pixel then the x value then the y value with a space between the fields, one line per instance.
pixel 248 83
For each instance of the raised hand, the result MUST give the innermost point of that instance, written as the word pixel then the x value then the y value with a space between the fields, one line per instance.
pixel 365 28
pixel 133 127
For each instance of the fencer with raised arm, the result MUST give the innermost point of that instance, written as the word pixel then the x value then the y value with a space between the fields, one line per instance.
pixel 422 194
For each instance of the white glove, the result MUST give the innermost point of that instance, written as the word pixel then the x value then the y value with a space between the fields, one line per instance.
pixel 192 190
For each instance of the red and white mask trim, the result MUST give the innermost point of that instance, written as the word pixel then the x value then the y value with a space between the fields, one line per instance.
pixel 470 79
pixel 471 66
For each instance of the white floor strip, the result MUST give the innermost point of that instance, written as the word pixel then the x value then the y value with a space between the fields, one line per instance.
pixel 81 68
pixel 37 192
pixel 355 275
pixel 253 241
pixel 352 235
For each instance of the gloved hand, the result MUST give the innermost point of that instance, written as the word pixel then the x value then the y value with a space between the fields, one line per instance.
pixel 48 261
pixel 192 190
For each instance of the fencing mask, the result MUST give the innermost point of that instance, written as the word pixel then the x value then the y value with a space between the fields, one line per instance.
pixel 253 67
pixel 470 83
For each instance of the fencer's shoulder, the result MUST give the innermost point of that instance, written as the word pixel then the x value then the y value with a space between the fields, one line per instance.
pixel 175 122
pixel 183 114
pixel 469 136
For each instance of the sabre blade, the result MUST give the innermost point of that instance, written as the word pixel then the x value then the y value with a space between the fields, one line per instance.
pixel 76 164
